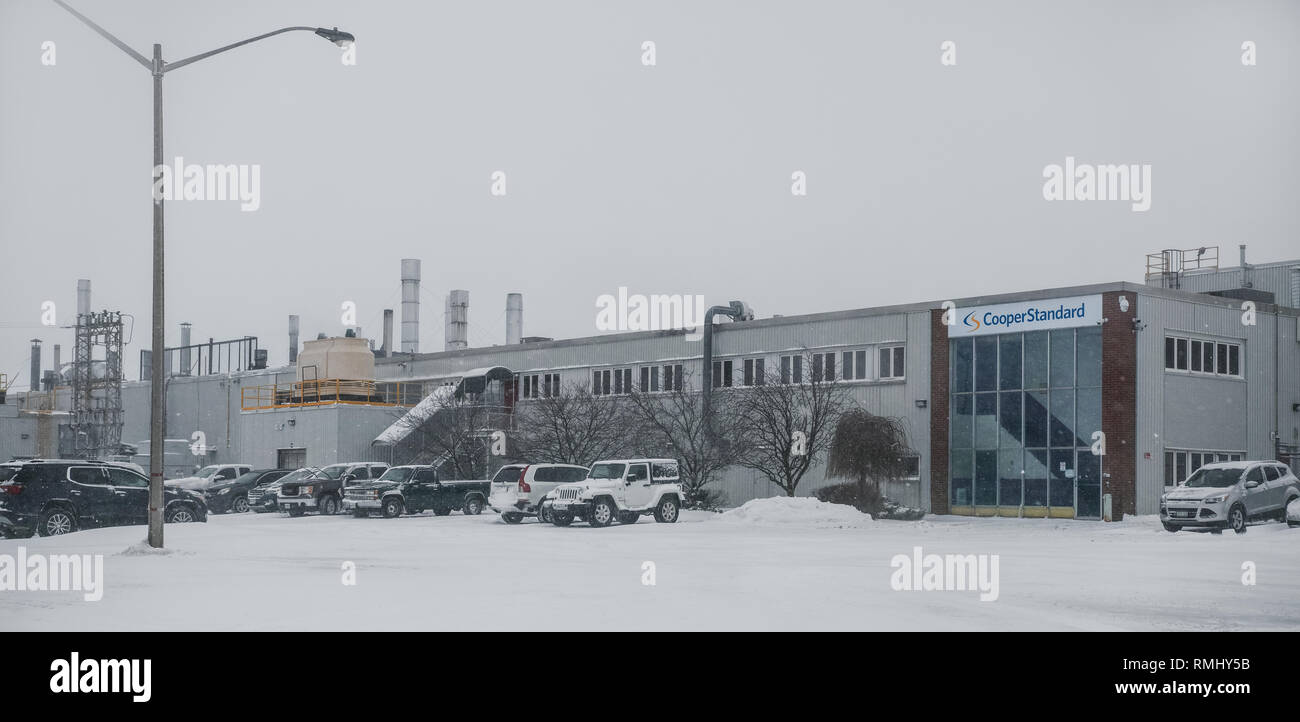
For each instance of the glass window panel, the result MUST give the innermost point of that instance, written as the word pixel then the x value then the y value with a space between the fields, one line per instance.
pixel 1170 355
pixel 1009 361
pixel 1181 354
pixel 986 363
pixel 1060 487
pixel 1036 477
pixel 860 365
pixel 1234 360
pixel 963 476
pixel 1036 360
pixel 1088 414
pixel 1062 357
pixel 884 364
pixel 1010 466
pixel 900 368
pixel 963 364
pixel 1207 357
pixel 1221 358
pixel 963 414
pixel 1196 355
pixel 986 421
pixel 1169 469
pixel 986 478
pixel 1088 352
pixel 1089 483
pixel 1180 466
pixel 1036 418
pixel 847 365
pixel 1062 430
pixel 1009 419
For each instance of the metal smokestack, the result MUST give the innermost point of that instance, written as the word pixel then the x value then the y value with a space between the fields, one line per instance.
pixel 34 382
pixel 57 366
pixel 514 318
pixel 293 339
pixel 185 348
pixel 410 305
pixel 457 335
pixel 83 296
pixel 388 332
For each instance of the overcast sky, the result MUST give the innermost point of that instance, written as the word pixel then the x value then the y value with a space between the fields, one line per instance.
pixel 924 181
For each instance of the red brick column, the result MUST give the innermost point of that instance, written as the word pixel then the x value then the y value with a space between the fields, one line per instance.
pixel 1119 402
pixel 938 413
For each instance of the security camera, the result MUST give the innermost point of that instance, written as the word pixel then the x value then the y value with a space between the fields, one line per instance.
pixel 1123 304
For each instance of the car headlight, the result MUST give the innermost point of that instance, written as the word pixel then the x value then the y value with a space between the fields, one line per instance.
pixel 306 490
pixel 1215 499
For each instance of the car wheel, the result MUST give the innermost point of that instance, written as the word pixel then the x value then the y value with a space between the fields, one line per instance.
pixel 511 517
pixel 55 522
pixel 180 514
pixel 329 506
pixel 239 505
pixel 559 519
pixel 666 512
pixel 1170 527
pixel 473 506
pixel 392 507
pixel 442 511
pixel 628 517
pixel 544 513
pixel 1237 519
pixel 296 511
pixel 602 513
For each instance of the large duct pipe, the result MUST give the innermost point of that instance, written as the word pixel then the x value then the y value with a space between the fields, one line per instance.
pixel 83 296
pixel 514 318
pixel 58 376
pixel 34 381
pixel 1242 249
pixel 410 305
pixel 185 348
pixel 457 330
pixel 293 339
pixel 387 350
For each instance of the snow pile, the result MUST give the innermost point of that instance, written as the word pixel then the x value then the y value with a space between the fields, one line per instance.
pixel 142 549
pixel 796 511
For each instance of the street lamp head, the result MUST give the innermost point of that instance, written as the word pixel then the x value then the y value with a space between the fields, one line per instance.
pixel 336 36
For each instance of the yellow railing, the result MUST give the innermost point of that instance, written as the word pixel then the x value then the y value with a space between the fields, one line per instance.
pixel 322 392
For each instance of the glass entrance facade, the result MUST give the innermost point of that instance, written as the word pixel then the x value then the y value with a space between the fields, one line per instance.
pixel 1023 410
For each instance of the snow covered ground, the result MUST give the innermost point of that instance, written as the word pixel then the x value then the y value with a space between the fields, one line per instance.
pixel 766 569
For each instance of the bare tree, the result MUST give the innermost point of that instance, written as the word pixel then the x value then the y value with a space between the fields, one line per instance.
pixel 788 422
pixel 671 423
pixel 574 426
pixel 867 447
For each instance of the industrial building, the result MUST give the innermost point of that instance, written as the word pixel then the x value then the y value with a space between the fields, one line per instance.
pixel 1002 396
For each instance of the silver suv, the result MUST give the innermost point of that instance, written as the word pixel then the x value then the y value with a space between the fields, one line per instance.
pixel 1229 494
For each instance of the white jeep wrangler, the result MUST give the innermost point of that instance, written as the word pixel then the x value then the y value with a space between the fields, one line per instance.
pixel 618 490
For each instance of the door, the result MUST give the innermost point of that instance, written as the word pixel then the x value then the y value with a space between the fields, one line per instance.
pixel 1060 483
pixel 1088 486
pixel 1276 493
pixel 422 491
pixel 90 491
pixel 132 494
pixel 1257 496
pixel 636 487
pixel 290 458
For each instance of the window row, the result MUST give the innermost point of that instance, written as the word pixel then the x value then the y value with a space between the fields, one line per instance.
pixel 532 386
pixel 1063 418
pixel 1035 360
pixel 607 382
pixel 1194 355
pixel 1180 463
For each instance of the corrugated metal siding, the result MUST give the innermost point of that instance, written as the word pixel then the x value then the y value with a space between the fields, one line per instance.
pixel 1276 279
pixel 1181 411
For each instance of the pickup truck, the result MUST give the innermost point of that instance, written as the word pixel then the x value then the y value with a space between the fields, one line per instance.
pixel 413 489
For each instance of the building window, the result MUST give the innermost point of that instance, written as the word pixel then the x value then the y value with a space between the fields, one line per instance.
pixel 1182 463
pixel 722 373
pixel 823 367
pixel 792 369
pixel 550 384
pixel 1198 356
pixel 649 379
pixel 622 381
pixel 672 377
pixel 891 362
pixel 753 373
pixel 911 467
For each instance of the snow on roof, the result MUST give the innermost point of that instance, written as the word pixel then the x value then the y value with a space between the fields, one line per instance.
pixel 441 398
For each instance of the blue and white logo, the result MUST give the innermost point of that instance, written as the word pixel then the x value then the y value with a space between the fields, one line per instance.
pixel 1029 316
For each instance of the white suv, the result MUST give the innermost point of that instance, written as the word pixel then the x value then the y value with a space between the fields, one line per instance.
pixel 518 489
pixel 1228 494
pixel 618 489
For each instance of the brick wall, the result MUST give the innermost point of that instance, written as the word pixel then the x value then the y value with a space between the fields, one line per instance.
pixel 1119 402
pixel 938 413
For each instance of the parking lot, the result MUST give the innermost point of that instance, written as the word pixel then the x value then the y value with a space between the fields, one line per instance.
pixel 709 571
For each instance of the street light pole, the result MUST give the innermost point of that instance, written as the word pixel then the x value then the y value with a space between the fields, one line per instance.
pixel 157 421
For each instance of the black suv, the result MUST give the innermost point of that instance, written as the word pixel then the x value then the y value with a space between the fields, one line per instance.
pixel 232 496
pixel 52 497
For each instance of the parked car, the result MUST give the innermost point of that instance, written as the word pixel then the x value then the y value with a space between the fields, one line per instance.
pixel 209 475
pixel 264 497
pixel 414 489
pixel 1228 495
pixel 232 496
pixel 618 489
pixel 518 489
pixel 1293 513
pixel 52 497
pixel 350 471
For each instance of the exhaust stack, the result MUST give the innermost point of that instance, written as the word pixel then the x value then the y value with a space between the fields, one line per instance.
pixel 293 339
pixel 83 296
pixel 514 318
pixel 387 349
pixel 34 381
pixel 185 348
pixel 457 330
pixel 410 305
